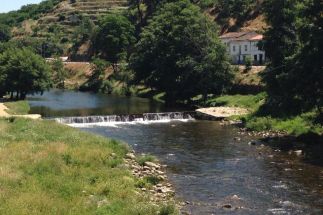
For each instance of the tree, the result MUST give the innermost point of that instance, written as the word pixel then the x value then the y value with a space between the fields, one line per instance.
pixel 85 30
pixel 142 10
pixel 248 64
pixel 179 53
pixel 59 74
pixel 114 38
pixel 281 44
pixel 307 74
pixel 5 33
pixel 96 81
pixel 23 72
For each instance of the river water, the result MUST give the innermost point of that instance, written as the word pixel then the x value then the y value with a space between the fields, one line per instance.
pixel 210 170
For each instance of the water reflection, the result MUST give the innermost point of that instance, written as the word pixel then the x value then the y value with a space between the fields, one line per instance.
pixel 72 103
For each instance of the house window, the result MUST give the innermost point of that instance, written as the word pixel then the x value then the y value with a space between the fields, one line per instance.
pixel 255 58
pixel 233 48
pixel 246 48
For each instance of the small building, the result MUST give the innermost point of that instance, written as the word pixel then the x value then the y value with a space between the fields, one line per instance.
pixel 244 44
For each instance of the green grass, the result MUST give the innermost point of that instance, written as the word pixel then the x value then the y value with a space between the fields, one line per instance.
pixel 295 125
pixel 250 102
pixel 19 107
pixel 48 168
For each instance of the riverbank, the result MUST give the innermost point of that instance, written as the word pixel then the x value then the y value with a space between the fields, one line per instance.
pixel 299 125
pixel 49 168
pixel 17 109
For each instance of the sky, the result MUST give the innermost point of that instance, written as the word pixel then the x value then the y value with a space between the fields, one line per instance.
pixel 9 5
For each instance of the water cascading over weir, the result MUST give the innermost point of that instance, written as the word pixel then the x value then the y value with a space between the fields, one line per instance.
pixel 145 117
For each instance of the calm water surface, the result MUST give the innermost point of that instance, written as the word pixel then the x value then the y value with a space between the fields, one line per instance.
pixel 72 103
pixel 208 168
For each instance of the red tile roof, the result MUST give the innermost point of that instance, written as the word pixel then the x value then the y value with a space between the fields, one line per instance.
pixel 240 36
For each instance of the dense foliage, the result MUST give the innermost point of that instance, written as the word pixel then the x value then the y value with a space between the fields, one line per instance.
pixel 114 38
pixel 5 33
pixel 22 72
pixel 293 43
pixel 96 80
pixel 59 73
pixel 179 53
pixel 31 11
pixel 142 10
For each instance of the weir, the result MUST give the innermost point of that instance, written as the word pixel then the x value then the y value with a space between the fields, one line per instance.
pixel 145 117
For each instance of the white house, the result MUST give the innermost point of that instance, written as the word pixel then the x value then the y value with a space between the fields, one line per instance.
pixel 243 44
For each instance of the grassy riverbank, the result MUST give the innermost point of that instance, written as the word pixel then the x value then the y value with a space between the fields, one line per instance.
pixel 48 168
pixel 19 107
pixel 293 125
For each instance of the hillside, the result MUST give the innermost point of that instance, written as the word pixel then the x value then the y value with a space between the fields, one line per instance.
pixel 236 15
pixel 56 24
pixel 59 24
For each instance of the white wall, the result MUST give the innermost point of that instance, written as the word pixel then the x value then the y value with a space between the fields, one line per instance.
pixel 243 49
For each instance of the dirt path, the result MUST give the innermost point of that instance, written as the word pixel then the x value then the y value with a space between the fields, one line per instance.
pixel 222 112
pixel 3 109
pixel 3 113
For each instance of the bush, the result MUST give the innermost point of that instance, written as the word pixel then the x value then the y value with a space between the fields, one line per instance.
pixel 168 210
pixel 248 64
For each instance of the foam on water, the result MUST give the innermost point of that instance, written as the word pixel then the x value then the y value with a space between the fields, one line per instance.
pixel 115 120
pixel 117 124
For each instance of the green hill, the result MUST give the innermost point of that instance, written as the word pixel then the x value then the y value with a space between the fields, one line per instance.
pixel 53 25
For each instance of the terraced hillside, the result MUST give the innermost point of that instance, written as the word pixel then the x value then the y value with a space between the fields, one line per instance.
pixel 61 22
pixel 69 13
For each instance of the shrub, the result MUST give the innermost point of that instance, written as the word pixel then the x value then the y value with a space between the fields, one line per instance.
pixel 248 64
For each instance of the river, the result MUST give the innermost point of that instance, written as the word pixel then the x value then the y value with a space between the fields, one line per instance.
pixel 214 172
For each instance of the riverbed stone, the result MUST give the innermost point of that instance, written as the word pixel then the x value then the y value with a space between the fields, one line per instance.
pixel 152 165
pixel 130 156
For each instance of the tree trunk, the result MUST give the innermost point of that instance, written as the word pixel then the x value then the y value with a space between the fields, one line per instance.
pixel 23 96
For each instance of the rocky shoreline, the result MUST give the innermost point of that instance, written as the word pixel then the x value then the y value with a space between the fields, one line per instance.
pixel 159 188
pixel 246 132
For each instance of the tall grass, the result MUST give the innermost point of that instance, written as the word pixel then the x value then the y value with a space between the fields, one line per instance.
pixel 19 107
pixel 47 168
pixel 250 102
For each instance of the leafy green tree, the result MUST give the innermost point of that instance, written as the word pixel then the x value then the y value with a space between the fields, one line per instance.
pixel 142 10
pixel 5 33
pixel 59 73
pixel 23 72
pixel 114 38
pixel 96 81
pixel 179 53
pixel 85 30
pixel 307 73
pixel 281 44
